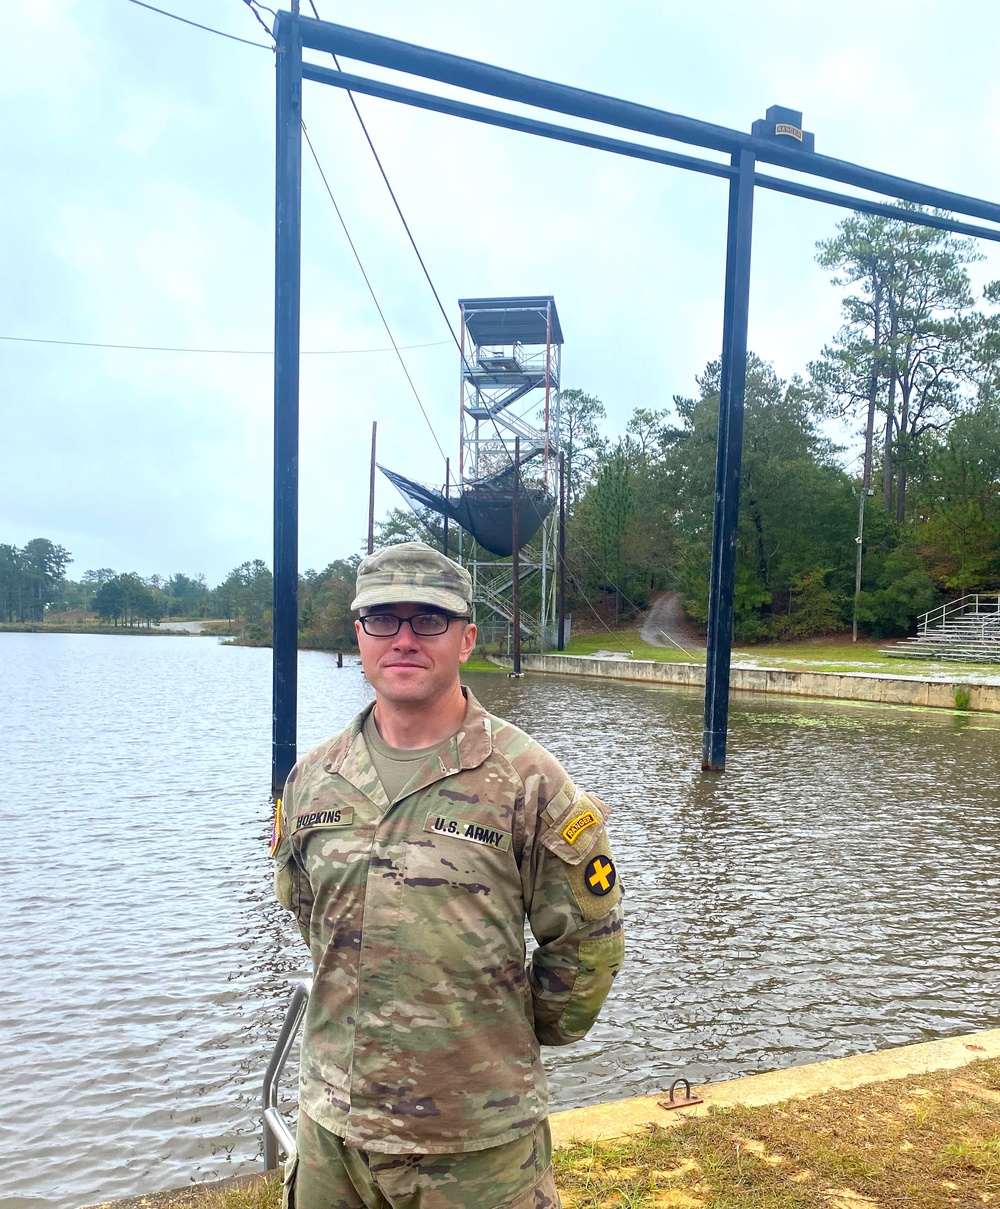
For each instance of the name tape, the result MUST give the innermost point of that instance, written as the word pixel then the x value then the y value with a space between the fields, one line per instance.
pixel 343 817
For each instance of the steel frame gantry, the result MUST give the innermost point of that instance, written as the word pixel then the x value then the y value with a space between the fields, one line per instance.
pixel 777 139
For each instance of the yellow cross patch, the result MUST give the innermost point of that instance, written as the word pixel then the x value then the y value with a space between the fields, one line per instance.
pixel 600 875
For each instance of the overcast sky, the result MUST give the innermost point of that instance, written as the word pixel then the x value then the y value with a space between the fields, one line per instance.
pixel 137 208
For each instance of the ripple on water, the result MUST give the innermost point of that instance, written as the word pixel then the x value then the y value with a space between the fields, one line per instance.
pixel 835 891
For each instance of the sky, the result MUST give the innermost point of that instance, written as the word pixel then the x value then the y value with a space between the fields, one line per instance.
pixel 137 207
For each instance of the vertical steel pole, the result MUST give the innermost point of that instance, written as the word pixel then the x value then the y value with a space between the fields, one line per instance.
pixel 287 261
pixel 561 640
pixel 371 493
pixel 732 389
pixel 447 490
pixel 516 560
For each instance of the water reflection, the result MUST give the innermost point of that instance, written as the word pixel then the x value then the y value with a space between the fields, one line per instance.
pixel 835 891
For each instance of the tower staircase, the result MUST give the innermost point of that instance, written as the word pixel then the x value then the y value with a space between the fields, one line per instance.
pixel 966 629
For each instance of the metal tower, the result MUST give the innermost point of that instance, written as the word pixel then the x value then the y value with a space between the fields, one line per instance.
pixel 510 374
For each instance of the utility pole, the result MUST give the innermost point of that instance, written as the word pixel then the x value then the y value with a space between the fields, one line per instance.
pixel 371 494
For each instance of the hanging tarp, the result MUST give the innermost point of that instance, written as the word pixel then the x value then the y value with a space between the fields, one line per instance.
pixel 485 508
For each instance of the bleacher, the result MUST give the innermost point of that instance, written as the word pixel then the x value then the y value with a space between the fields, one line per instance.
pixel 966 629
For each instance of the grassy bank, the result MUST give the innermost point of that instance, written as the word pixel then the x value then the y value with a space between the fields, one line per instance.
pixel 925 1142
pixel 826 655
pixel 44 627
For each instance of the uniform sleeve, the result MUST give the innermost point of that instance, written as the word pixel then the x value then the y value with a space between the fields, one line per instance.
pixel 291 886
pixel 575 913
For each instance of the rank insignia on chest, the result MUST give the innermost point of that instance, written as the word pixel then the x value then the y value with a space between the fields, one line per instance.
pixel 276 827
pixel 600 875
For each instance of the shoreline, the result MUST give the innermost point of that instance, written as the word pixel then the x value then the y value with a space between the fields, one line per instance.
pixel 870 687
pixel 633 1117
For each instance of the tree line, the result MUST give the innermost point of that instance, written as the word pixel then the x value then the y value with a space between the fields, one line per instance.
pixel 914 369
pixel 34 587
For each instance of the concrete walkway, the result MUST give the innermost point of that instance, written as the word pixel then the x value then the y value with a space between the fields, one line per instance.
pixel 623 1117
pixel 839 686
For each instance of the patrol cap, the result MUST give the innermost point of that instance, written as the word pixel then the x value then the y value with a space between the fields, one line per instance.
pixel 413 571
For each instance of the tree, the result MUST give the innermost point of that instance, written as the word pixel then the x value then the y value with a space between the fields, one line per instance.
pixel 908 345
pixel 794 538
pixel 612 508
pixel 44 567
pixel 958 503
pixel 127 600
pixel 580 440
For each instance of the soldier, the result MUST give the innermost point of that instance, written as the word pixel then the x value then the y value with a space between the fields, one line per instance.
pixel 411 849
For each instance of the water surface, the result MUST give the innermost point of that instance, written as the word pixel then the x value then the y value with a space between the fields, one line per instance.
pixel 835 891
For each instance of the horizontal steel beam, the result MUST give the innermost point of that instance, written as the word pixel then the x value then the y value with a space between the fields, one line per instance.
pixel 916 219
pixel 508 121
pixel 584 138
pixel 596 107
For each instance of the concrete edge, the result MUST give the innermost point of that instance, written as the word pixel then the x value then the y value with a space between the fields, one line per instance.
pixel 602 1122
pixel 837 686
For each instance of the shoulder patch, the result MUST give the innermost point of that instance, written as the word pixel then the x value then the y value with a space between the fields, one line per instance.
pixel 571 832
pixel 594 883
pixel 600 875
pixel 276 827
pixel 571 825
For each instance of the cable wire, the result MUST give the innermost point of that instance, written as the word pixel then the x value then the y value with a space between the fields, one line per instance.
pixel 229 352
pixel 208 29
pixel 371 291
pixel 395 202
pixel 252 6
pixel 437 299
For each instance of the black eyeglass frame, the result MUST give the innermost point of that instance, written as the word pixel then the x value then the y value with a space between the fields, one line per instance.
pixel 448 617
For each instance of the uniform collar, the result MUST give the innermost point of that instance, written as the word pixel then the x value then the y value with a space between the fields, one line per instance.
pixel 468 748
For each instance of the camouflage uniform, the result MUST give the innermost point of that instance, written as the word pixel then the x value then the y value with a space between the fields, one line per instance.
pixel 423 1028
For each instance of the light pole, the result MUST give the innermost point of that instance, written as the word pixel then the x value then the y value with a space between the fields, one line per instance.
pixel 862 496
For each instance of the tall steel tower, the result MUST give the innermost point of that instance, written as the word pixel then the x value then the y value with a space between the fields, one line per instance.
pixel 510 374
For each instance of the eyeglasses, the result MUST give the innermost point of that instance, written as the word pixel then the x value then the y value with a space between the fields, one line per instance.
pixel 424 625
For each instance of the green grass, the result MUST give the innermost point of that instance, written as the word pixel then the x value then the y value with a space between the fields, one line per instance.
pixel 826 656
pixel 925 1142
pixel 629 642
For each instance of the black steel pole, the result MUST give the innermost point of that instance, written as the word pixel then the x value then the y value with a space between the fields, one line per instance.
pixel 732 388
pixel 516 560
pixel 371 493
pixel 561 641
pixel 447 489
pixel 287 263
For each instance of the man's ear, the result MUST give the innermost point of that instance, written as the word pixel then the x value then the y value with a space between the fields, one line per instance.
pixel 468 642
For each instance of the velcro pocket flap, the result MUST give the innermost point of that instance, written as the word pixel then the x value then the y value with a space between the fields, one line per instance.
pixel 572 822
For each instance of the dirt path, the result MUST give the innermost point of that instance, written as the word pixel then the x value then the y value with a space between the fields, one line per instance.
pixel 668 626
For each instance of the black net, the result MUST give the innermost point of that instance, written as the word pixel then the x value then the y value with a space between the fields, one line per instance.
pixel 485 508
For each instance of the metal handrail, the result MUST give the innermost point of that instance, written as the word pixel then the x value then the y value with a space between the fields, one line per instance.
pixel 938 616
pixel 277 1135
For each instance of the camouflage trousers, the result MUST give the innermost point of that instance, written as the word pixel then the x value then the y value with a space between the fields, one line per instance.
pixel 326 1174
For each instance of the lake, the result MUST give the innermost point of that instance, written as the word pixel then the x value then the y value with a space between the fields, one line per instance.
pixel 835 891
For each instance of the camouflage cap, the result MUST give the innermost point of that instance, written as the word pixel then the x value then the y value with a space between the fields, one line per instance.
pixel 414 572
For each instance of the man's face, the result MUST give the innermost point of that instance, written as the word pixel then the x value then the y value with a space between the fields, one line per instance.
pixel 411 669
